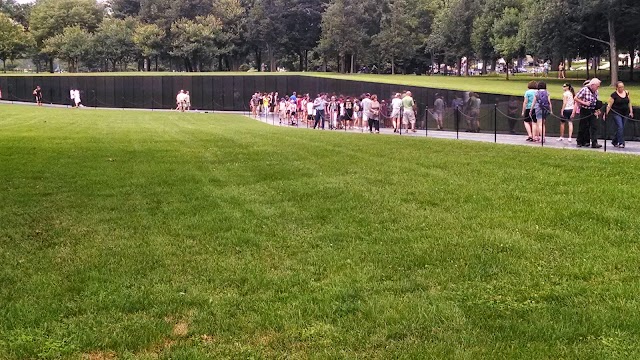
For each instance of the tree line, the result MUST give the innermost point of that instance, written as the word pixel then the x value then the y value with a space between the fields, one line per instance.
pixel 399 36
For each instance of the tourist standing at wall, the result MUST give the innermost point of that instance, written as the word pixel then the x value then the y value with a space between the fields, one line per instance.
pixel 438 111
pixel 527 113
pixel 319 105
pixel 587 99
pixel 568 106
pixel 409 112
pixel 396 106
pixel 374 114
pixel 620 103
pixel 37 93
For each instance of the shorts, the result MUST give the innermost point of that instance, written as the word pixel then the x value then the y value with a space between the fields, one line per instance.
pixel 348 116
pixel 365 117
pixel 438 114
pixel 408 117
pixel 395 113
pixel 566 115
pixel 530 115
pixel 541 114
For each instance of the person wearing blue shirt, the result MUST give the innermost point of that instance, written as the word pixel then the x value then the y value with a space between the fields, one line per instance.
pixel 527 112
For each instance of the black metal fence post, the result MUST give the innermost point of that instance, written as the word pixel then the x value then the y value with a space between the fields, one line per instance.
pixel 606 132
pixel 495 123
pixel 542 121
pixel 426 120
pixel 457 122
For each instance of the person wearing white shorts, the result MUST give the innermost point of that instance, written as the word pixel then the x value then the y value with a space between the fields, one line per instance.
pixel 408 113
pixel 396 106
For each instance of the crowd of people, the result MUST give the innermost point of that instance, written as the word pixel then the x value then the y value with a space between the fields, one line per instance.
pixel 584 106
pixel 339 111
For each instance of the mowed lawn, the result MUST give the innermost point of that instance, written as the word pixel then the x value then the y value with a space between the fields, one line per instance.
pixel 144 235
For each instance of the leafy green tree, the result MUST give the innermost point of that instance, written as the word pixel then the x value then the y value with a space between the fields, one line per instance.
pixel 505 35
pixel 397 38
pixel 342 33
pixel 194 40
pixel 114 40
pixel 16 11
pixel 72 45
pixel 148 38
pixel 14 40
pixel 49 17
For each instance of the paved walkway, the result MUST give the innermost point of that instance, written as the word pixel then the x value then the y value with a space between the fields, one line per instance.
pixel 632 147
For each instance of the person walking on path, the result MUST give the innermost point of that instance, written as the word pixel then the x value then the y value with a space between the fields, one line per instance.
pixel 473 113
pixel 620 103
pixel 527 105
pixel 409 111
pixel 568 106
pixel 365 106
pixel 543 107
pixel 396 114
pixel 319 105
pixel 587 99
pixel 438 111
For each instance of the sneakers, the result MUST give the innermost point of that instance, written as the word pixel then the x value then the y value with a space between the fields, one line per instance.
pixel 596 146
pixel 560 138
pixel 569 140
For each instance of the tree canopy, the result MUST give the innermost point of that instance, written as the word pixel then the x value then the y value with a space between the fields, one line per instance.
pixel 403 36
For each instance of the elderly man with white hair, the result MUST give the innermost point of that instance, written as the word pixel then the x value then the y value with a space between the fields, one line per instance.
pixel 587 99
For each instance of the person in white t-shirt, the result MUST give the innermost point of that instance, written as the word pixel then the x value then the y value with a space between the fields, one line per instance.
pixel 311 113
pixel 180 101
pixel 187 100
pixel 396 115
pixel 76 98
pixel 72 97
pixel 568 108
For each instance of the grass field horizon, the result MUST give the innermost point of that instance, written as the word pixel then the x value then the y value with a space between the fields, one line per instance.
pixel 143 235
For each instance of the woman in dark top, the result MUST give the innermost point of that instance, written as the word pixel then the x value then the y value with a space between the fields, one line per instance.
pixel 374 118
pixel 620 103
pixel 38 94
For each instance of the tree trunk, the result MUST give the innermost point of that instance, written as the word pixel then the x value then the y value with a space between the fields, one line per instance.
pixel 507 66
pixel 51 65
pixel 632 55
pixel 306 60
pixel 301 60
pixel 588 61
pixel 393 65
pixel 353 63
pixel 4 65
pixel 459 66
pixel 258 54
pixel 613 48
pixel 324 64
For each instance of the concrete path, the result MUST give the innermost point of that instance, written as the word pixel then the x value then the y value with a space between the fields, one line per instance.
pixel 632 147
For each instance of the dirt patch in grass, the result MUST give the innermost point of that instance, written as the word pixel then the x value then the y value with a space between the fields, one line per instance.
pixel 180 329
pixel 100 355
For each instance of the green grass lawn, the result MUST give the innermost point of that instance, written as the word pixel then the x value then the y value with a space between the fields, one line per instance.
pixel 143 235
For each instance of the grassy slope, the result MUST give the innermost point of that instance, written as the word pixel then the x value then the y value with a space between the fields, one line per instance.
pixel 192 236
